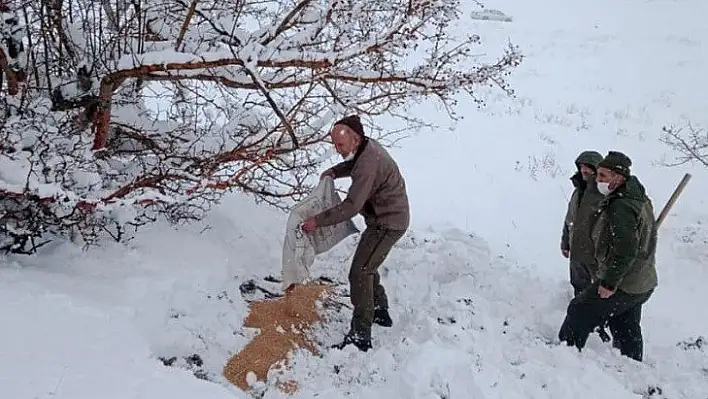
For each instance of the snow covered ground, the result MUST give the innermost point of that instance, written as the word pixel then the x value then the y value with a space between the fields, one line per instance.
pixel 478 286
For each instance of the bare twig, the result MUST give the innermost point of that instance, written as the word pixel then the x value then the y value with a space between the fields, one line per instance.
pixel 692 145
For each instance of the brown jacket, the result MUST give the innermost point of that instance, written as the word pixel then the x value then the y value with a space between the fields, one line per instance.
pixel 378 191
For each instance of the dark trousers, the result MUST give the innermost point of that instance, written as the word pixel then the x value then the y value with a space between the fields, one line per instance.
pixel 580 276
pixel 622 312
pixel 366 291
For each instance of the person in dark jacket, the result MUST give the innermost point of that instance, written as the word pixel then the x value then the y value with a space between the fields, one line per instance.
pixel 624 237
pixel 378 193
pixel 576 243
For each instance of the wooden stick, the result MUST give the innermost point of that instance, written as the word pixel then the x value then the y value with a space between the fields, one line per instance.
pixel 672 200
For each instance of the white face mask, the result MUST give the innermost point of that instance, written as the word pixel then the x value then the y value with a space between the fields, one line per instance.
pixel 349 157
pixel 604 188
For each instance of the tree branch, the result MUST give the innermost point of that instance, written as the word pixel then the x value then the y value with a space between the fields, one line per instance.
pixel 12 81
pixel 274 106
pixel 185 24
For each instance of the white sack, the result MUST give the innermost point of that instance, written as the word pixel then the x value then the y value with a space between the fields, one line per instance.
pixel 300 248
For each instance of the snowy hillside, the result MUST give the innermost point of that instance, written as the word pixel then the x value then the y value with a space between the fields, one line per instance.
pixel 81 325
pixel 478 288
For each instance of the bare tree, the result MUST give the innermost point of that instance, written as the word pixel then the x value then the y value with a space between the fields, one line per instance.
pixel 689 142
pixel 249 89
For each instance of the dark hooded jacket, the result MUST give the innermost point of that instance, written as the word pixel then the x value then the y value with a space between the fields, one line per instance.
pixel 581 212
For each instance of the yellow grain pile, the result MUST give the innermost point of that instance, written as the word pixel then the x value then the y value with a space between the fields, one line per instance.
pixel 283 323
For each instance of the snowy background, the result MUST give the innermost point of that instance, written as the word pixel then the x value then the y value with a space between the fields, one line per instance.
pixel 478 288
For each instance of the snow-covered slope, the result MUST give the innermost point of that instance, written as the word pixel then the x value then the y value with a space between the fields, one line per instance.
pixel 472 319
pixel 597 75
pixel 83 325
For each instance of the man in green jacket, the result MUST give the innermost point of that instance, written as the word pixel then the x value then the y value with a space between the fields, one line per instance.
pixel 378 192
pixel 624 238
pixel 576 243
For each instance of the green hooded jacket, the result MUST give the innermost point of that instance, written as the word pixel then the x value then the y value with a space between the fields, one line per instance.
pixel 625 237
pixel 591 158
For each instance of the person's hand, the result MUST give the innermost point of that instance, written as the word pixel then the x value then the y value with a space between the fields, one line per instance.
pixel 603 292
pixel 327 173
pixel 309 225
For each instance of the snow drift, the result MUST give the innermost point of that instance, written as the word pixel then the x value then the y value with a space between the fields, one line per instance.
pixel 465 322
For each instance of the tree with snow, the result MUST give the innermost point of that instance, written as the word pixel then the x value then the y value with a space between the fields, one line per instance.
pixel 245 93
pixel 690 142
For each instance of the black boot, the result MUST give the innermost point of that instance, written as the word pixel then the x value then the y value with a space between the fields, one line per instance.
pixel 382 318
pixel 602 332
pixel 363 344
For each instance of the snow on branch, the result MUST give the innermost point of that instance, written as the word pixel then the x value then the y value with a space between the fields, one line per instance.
pixel 12 51
pixel 690 142
pixel 131 111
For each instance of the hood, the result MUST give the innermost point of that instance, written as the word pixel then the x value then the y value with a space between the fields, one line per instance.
pixel 592 158
pixel 632 189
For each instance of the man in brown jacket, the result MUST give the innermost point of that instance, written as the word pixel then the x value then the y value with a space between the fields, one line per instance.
pixel 378 193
